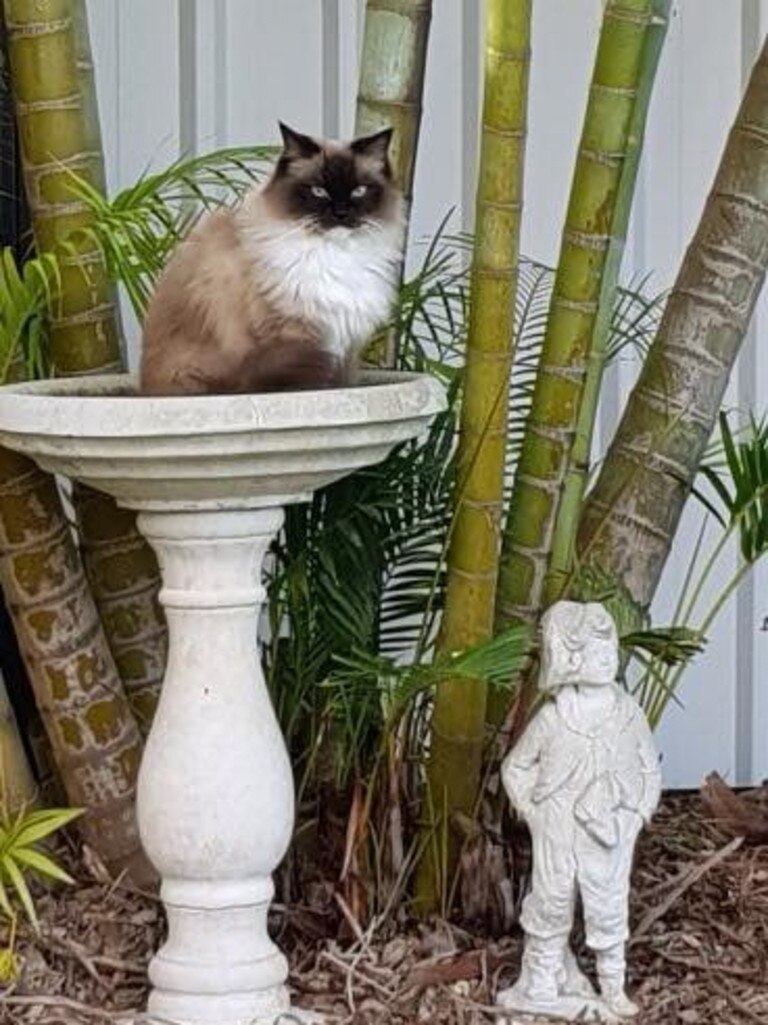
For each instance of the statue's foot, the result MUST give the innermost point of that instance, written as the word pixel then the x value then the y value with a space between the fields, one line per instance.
pixel 573 982
pixel 618 1002
pixel 525 1005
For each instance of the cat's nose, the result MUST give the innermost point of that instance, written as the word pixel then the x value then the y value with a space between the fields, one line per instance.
pixel 343 213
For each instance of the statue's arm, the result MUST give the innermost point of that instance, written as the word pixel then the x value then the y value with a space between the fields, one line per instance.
pixel 520 769
pixel 650 767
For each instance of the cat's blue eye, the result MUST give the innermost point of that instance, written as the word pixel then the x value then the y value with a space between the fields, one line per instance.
pixel 359 191
pixel 319 192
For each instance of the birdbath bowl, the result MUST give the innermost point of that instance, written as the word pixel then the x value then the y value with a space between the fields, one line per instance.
pixel 210 477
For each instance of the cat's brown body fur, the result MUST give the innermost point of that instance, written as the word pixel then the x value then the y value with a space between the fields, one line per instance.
pixel 208 330
pixel 223 317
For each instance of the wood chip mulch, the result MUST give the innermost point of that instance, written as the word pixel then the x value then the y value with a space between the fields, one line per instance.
pixel 699 952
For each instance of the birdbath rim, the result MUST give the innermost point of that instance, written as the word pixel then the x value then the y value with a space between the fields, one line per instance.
pixel 109 405
pixel 213 451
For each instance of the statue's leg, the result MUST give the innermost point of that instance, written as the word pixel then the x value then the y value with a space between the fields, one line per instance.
pixel 604 879
pixel 546 917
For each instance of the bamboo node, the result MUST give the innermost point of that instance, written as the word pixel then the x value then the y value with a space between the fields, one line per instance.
pixel 517 55
pixel 614 90
pixel 730 313
pixel 93 315
pixel 585 240
pixel 604 157
pixel 48 210
pixel 565 373
pixel 742 199
pixel 617 13
pixel 753 131
pixel 76 160
pixel 735 256
pixel 549 487
pixel 21 29
pixel 505 133
pixel 587 306
pixel 71 102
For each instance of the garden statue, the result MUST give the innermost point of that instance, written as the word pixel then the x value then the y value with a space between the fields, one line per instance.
pixel 585 777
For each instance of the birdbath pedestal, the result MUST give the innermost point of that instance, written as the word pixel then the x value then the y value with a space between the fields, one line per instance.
pixel 210 477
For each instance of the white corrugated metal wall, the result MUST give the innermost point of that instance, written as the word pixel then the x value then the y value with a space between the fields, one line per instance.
pixel 183 76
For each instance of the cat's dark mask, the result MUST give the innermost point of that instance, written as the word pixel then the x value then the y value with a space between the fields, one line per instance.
pixel 334 185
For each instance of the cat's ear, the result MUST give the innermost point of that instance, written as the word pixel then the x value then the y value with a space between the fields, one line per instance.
pixel 375 147
pixel 297 145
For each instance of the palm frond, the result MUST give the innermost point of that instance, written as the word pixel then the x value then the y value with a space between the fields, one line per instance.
pixel 138 228
pixel 27 296
pixel 741 485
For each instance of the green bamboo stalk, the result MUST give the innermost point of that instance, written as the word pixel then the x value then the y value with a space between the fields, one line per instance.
pixel 566 524
pixel 458 721
pixel 390 92
pixel 573 311
pixel 633 510
pixel 58 119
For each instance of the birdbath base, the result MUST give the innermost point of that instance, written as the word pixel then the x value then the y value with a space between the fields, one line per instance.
pixel 215 795
pixel 209 476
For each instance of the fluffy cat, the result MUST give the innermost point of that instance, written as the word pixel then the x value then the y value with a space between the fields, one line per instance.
pixel 282 292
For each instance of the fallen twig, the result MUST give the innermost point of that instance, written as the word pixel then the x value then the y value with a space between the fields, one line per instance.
pixel 692 877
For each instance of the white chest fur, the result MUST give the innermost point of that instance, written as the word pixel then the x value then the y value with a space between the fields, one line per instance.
pixel 342 280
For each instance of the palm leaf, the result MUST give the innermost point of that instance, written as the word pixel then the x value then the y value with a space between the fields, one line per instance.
pixel 138 228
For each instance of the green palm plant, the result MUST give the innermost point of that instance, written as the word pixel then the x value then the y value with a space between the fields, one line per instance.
pixel 20 838
pixel 137 229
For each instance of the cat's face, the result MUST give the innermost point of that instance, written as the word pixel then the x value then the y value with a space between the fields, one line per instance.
pixel 334 185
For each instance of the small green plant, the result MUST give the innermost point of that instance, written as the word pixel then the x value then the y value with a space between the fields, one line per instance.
pixel 21 836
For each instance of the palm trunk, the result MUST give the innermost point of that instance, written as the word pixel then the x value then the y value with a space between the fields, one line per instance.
pixel 458 721
pixel 561 564
pixel 59 125
pixel 634 508
pixel 578 288
pixel 17 786
pixel 390 95
pixel 94 736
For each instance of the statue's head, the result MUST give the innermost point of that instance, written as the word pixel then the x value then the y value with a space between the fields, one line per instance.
pixel 579 645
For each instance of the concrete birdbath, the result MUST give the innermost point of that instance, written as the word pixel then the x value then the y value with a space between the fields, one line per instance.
pixel 210 477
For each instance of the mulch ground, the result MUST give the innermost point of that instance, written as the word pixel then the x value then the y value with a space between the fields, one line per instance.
pixel 699 952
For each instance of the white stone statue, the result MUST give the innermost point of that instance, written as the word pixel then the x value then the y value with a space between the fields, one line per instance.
pixel 585 776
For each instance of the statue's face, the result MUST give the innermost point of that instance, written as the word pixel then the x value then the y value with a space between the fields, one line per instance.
pixel 582 649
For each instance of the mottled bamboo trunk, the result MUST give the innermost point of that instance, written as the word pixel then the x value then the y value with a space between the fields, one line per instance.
pixel 458 721
pixel 58 118
pixel 94 736
pixel 17 785
pixel 635 506
pixel 122 571
pixel 390 92
pixel 587 236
